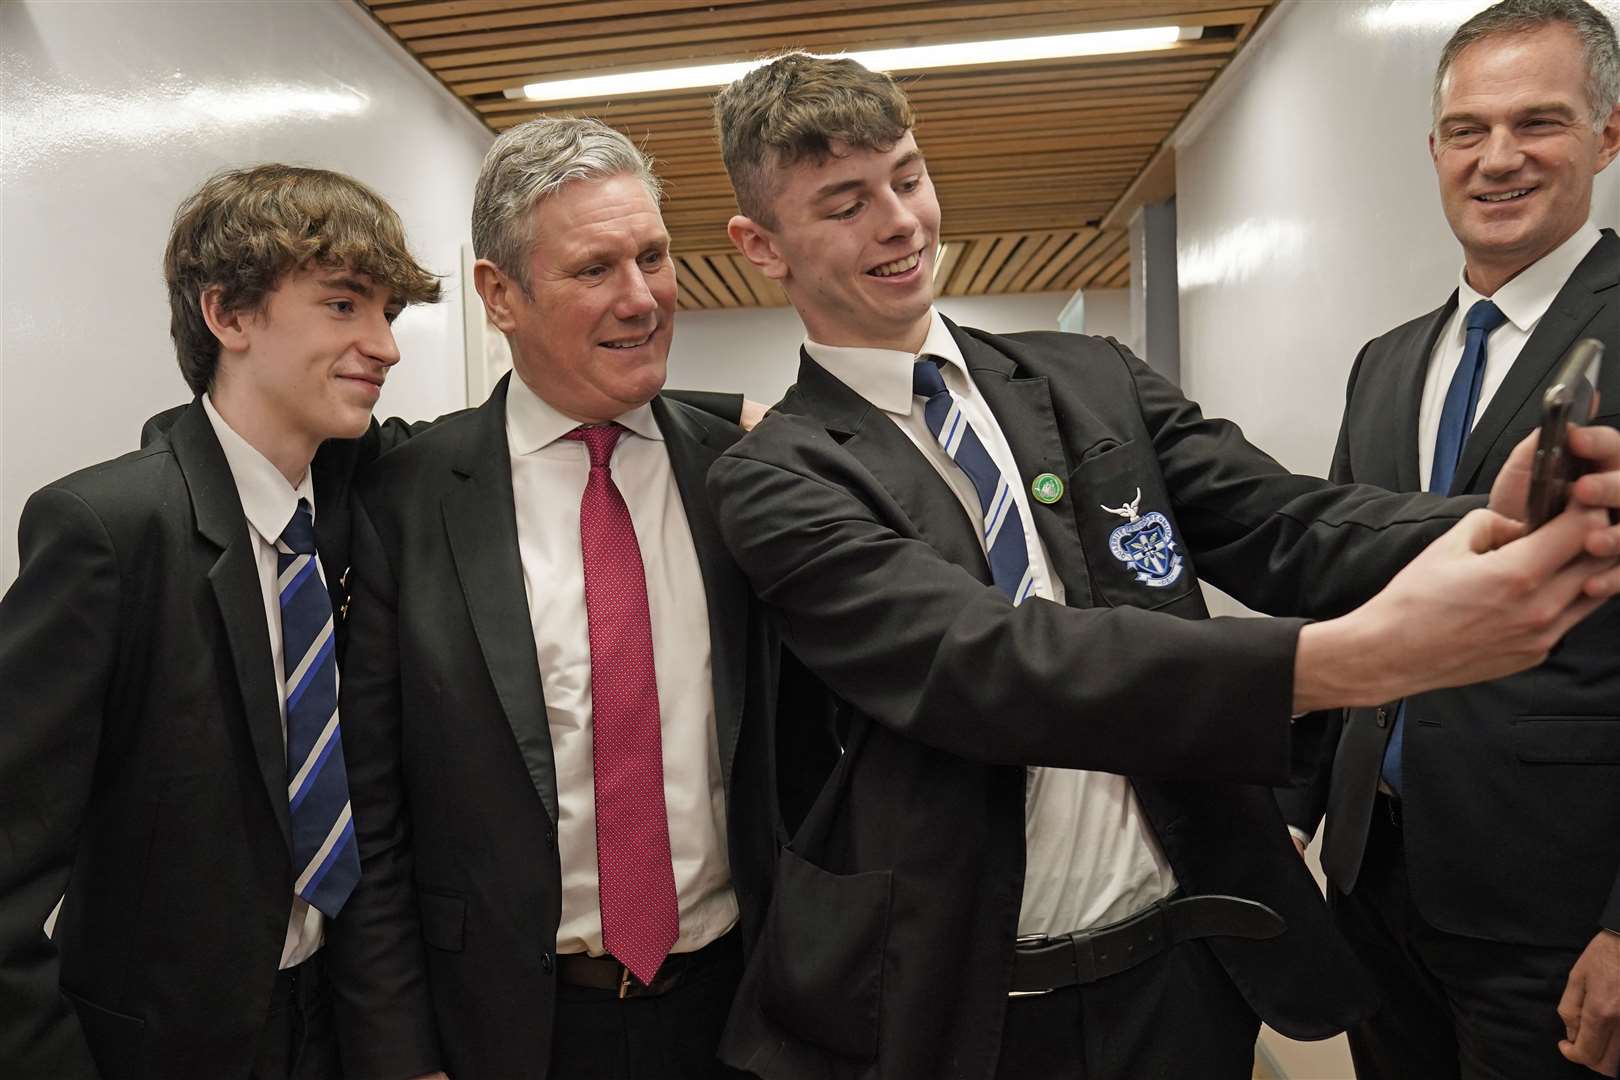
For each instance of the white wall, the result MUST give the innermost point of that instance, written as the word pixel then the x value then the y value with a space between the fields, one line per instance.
pixel 1307 222
pixel 756 350
pixel 1308 217
pixel 113 113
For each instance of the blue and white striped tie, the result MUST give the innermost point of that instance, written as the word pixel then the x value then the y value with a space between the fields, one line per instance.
pixel 324 853
pixel 1004 542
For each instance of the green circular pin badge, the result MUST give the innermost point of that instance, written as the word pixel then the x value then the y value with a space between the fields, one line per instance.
pixel 1046 488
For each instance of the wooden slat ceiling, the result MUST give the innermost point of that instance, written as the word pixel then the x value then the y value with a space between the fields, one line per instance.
pixel 1036 164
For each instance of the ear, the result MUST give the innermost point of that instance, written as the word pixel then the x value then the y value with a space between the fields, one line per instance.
pixel 500 295
pixel 1432 156
pixel 1609 140
pixel 228 325
pixel 758 246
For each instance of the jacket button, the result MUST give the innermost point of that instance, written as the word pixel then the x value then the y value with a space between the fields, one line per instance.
pixel 551 839
pixel 545 963
pixel 1383 717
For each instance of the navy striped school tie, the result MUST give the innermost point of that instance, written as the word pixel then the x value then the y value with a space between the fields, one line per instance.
pixel 324 851
pixel 1003 525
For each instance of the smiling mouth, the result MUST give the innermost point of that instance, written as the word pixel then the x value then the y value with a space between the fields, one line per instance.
pixel 898 266
pixel 629 343
pixel 1504 196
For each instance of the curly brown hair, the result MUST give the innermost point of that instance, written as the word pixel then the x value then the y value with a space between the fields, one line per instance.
pixel 244 230
pixel 792 109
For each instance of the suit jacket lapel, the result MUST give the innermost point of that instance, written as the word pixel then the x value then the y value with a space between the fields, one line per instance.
pixel 725 589
pixel 1572 309
pixel 1409 397
pixel 889 455
pixel 481 521
pixel 234 578
pixel 1023 410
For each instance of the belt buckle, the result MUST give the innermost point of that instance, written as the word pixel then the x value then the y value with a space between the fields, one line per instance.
pixel 1029 939
pixel 624 982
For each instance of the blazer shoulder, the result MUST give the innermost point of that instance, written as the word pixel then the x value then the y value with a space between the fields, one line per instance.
pixel 1042 350
pixel 1400 342
pixel 709 428
pixel 127 487
pixel 432 449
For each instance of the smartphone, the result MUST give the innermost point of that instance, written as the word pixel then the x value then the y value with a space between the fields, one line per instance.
pixel 1571 399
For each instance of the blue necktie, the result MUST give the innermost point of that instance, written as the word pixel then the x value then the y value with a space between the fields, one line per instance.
pixel 1004 542
pixel 324 854
pixel 1456 420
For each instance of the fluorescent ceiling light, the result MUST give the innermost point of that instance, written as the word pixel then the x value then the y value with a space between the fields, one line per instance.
pixel 917 58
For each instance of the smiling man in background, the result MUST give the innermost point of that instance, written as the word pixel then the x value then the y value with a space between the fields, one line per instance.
pixel 1473 834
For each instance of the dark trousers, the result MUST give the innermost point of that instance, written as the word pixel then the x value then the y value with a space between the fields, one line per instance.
pixel 1170 1018
pixel 298 1041
pixel 1454 1008
pixel 599 1036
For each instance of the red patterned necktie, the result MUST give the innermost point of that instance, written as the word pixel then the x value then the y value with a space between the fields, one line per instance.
pixel 635 876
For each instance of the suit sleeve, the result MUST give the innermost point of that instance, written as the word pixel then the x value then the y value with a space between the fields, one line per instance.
pixel 927 650
pixel 58 642
pixel 385 1021
pixel 727 407
pixel 1282 543
pixel 1316 735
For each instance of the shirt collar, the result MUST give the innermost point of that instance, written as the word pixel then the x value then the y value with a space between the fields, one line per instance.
pixel 1526 298
pixel 532 423
pixel 883 376
pixel 268 501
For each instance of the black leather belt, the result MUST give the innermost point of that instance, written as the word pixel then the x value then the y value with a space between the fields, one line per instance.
pixel 1042 964
pixel 606 973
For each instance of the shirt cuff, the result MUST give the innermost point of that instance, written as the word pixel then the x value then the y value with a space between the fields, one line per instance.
pixel 1301 835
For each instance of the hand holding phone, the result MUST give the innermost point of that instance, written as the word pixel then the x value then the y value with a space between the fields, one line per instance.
pixel 1571 399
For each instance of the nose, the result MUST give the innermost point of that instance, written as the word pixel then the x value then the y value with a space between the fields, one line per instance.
pixel 636 300
pixel 378 343
pixel 1500 154
pixel 900 223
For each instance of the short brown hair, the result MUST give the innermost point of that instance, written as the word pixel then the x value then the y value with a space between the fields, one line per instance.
pixel 246 229
pixel 792 109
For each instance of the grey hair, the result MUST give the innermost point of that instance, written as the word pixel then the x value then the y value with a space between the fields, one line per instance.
pixel 1527 16
pixel 532 162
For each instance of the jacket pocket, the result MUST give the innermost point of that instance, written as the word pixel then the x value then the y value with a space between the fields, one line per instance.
pixel 1133 546
pixel 1567 740
pixel 824 941
pixel 444 919
pixel 115 1038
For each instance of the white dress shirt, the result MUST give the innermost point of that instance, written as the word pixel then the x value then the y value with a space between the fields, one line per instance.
pixel 1524 300
pixel 268 502
pixel 548 479
pixel 1090 857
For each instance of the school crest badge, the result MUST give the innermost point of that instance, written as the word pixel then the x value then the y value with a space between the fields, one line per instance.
pixel 1146 544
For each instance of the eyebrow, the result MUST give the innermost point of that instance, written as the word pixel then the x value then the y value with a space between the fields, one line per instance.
pixel 838 187
pixel 350 284
pixel 1556 108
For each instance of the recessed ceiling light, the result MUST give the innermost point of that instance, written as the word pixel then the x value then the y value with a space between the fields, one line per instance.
pixel 916 58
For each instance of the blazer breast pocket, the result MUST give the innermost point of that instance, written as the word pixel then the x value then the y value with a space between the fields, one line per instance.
pixel 1132 543
pixel 1567 740
pixel 825 942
